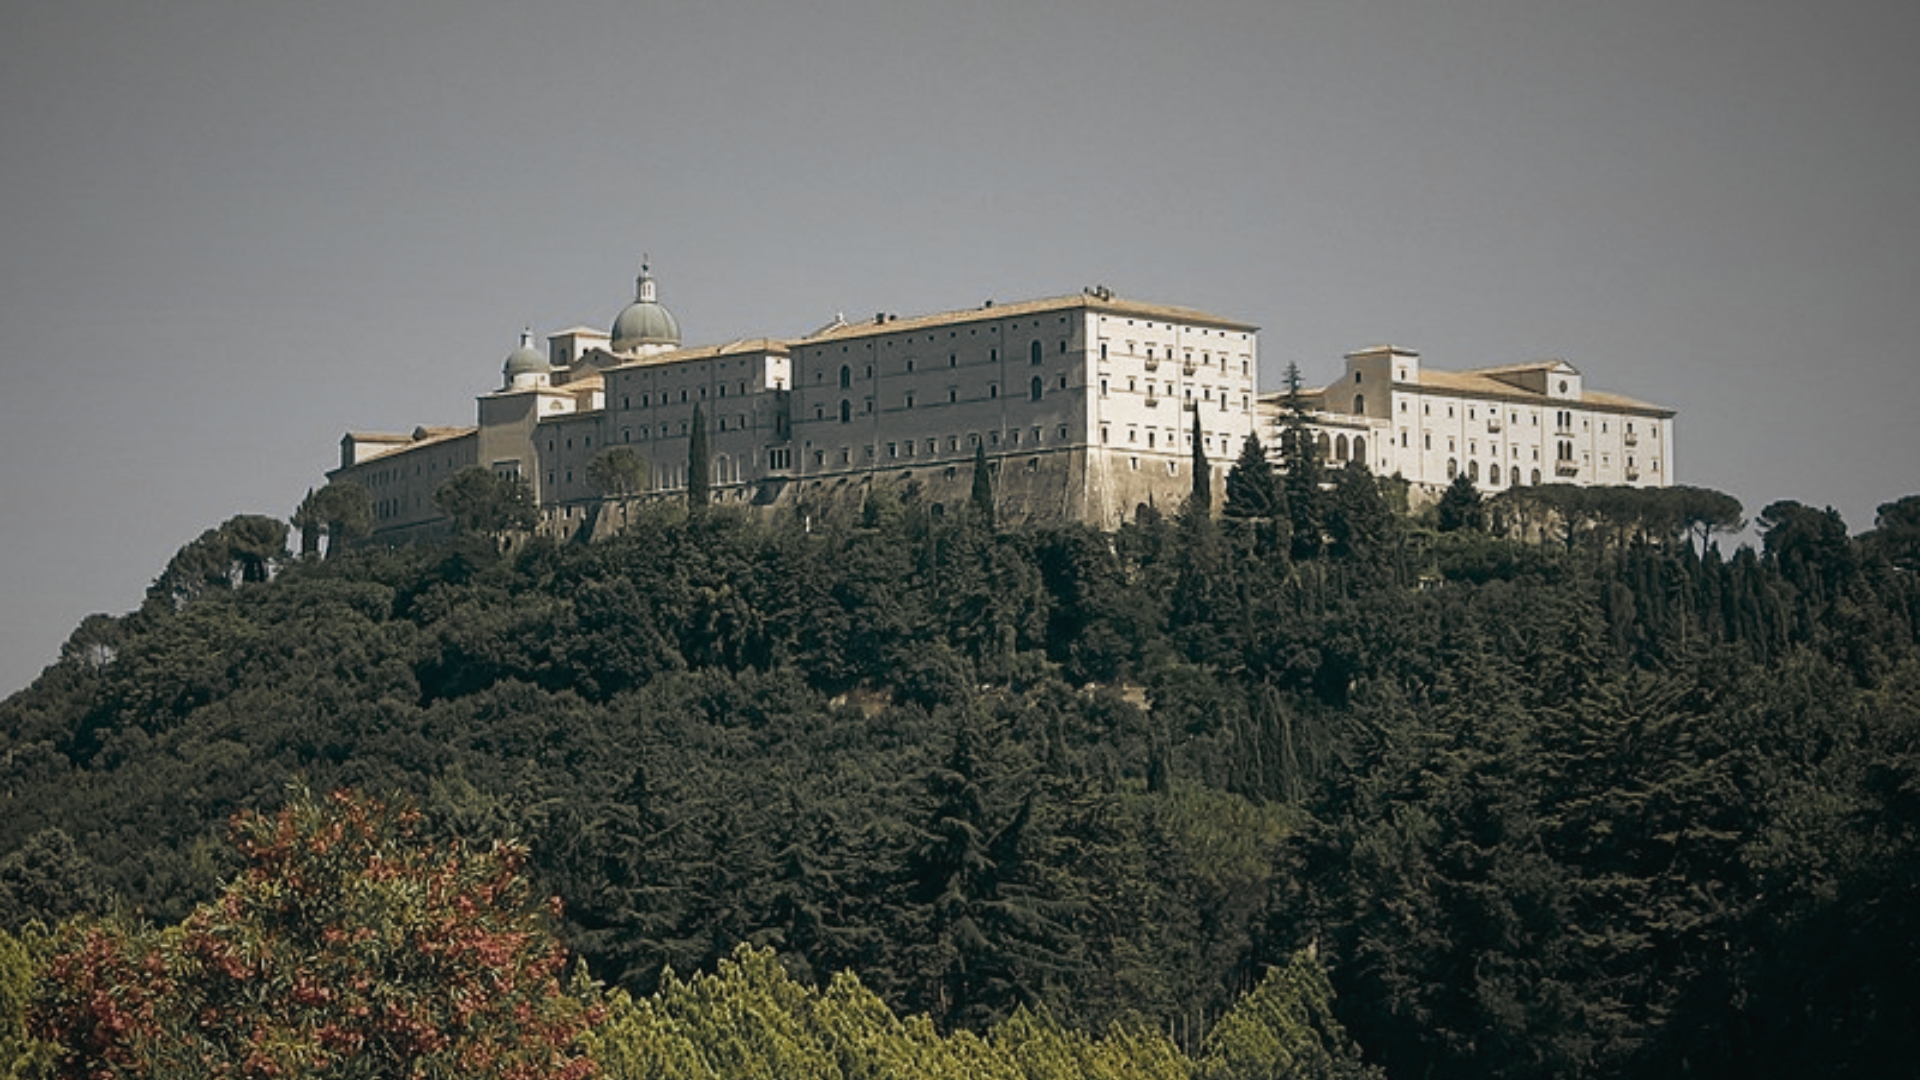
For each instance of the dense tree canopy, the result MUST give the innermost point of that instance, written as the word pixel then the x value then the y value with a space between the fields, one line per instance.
pixel 1614 805
pixel 482 501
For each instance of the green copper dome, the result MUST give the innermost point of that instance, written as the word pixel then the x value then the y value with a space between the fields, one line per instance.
pixel 525 360
pixel 645 321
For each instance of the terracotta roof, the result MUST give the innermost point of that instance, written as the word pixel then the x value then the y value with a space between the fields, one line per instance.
pixel 1514 369
pixel 1478 384
pixel 743 346
pixel 1106 305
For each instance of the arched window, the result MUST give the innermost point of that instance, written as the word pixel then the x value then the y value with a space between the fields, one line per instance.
pixel 846 377
pixel 1473 471
pixel 1340 448
pixel 1035 389
pixel 1324 445
pixel 1359 449
pixel 1033 353
pixel 1359 402
pixel 1493 475
pixel 846 410
pixel 1536 478
pixel 1453 468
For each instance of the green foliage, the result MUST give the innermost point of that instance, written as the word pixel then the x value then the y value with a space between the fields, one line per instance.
pixel 617 470
pixel 1284 1028
pixel 47 880
pixel 342 510
pixel 243 550
pixel 751 1021
pixel 699 464
pixel 1460 507
pixel 22 1057
pixel 1200 500
pixel 1590 807
pixel 484 502
pixel 980 499
pixel 1303 472
pixel 346 948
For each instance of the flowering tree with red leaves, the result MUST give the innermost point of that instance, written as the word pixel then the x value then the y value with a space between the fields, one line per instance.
pixel 348 948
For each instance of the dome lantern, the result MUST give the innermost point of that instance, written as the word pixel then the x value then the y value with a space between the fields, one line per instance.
pixel 645 325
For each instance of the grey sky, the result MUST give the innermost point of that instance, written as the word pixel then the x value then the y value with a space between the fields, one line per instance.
pixel 229 231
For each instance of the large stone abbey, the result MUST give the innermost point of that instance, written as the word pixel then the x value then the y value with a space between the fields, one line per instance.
pixel 1086 407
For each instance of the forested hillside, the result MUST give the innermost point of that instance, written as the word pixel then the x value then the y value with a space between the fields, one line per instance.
pixel 1593 805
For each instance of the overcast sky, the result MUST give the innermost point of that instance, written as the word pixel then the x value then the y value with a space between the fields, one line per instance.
pixel 229 231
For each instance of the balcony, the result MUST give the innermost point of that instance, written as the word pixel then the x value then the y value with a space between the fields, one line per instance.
pixel 1152 402
pixel 1632 439
pixel 1152 364
pixel 1494 424
pixel 1633 474
pixel 1187 368
pixel 1566 468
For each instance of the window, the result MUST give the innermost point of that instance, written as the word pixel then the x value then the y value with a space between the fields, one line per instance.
pixel 1356 376
pixel 1103 350
pixel 1359 401
pixel 953 396
pixel 1359 449
pixel 1035 389
pixel 1453 468
pixel 1063 383
pixel 1034 352
pixel 1103 388
pixel 909 401
pixel 846 377
pixel 1473 471
pixel 846 410
pixel 993 390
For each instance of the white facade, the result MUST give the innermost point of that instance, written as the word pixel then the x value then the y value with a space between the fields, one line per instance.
pixel 1520 424
pixel 1085 406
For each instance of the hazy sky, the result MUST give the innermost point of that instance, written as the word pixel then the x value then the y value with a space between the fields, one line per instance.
pixel 229 231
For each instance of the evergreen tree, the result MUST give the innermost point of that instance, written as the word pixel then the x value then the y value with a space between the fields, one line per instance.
pixel 1460 507
pixel 1256 501
pixel 342 510
pixel 484 502
pixel 699 465
pixel 980 501
pixel 617 470
pixel 1359 524
pixel 1200 502
pixel 1300 458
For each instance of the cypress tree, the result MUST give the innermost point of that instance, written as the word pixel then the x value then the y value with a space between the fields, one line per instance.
pixel 1301 455
pixel 981 501
pixel 699 474
pixel 1201 502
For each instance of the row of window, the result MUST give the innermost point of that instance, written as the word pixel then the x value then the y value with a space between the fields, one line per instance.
pixel 1563 418
pixel 1036 391
pixel 1152 360
pixel 647 398
pixel 931 446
